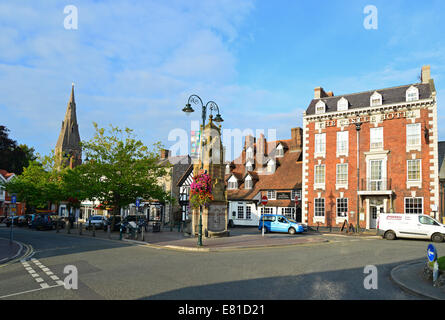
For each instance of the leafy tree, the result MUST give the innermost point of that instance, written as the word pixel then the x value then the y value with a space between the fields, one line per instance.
pixel 120 170
pixel 13 157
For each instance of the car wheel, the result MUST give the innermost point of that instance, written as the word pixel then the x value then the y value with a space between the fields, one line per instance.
pixel 390 235
pixel 292 231
pixel 437 237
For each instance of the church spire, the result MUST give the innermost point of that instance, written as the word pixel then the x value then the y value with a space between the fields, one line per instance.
pixel 68 144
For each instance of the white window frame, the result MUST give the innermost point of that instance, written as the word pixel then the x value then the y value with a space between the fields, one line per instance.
pixel 317 182
pixel 320 107
pixel 320 145
pixel 417 183
pixel 413 130
pixel 337 207
pixel 343 104
pixel 376 99
pixel 232 184
pixel 248 183
pixel 341 183
pixel 240 212
pixel 412 94
pixel 413 198
pixel 248 213
pixel 317 216
pixel 376 141
pixel 279 151
pixel 342 140
pixel 271 195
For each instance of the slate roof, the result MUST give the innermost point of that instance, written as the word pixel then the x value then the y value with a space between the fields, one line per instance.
pixel 362 99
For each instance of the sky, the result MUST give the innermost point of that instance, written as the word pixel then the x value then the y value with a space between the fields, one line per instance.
pixel 135 63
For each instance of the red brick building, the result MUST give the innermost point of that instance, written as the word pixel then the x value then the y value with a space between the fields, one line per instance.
pixel 393 133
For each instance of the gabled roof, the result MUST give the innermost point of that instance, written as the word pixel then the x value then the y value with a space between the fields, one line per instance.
pixel 5 175
pixel 362 99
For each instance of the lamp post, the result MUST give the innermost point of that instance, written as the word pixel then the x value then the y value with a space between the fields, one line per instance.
pixel 212 106
pixel 358 128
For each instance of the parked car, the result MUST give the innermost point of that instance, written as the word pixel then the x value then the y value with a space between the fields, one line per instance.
pixel 279 223
pixel 139 219
pixel 11 220
pixel 97 221
pixel 400 225
pixel 60 220
pixel 42 222
pixel 117 223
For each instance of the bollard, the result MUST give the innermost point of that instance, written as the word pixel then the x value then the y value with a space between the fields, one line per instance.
pixel 57 226
pixel 128 233
pixel 120 233
pixel 80 228
pixel 94 230
pixel 109 231
pixel 143 235
pixel 68 227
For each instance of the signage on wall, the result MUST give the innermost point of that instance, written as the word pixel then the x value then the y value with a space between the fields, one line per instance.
pixel 372 119
pixel 283 195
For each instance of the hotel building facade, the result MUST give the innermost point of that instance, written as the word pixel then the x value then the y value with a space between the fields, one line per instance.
pixel 369 153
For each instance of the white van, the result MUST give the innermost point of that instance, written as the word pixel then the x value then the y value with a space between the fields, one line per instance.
pixel 399 225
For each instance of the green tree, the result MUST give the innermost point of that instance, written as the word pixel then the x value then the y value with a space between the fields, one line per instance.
pixel 40 184
pixel 120 169
pixel 14 157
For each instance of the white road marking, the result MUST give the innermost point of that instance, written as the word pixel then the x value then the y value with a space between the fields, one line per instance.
pixel 23 292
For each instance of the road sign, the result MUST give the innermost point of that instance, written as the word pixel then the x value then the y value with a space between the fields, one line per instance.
pixel 13 199
pixel 431 253
pixel 138 202
pixel 264 200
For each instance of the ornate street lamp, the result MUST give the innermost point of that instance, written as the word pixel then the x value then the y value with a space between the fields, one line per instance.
pixel 358 128
pixel 212 106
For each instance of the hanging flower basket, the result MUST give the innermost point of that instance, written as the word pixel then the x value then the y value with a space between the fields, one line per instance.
pixel 201 191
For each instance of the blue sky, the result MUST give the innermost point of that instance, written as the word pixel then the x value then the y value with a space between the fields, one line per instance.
pixel 135 63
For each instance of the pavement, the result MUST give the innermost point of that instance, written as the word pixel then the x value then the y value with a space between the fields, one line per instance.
pixel 409 276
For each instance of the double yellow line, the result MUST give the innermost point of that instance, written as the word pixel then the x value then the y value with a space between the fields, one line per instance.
pixel 28 252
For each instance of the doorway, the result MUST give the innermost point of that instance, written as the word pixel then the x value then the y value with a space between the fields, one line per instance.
pixel 375 210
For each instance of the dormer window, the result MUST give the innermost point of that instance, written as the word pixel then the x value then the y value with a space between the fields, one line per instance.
pixel 280 151
pixel 228 169
pixel 271 166
pixel 249 166
pixel 412 94
pixel 376 99
pixel 342 104
pixel 320 107
pixel 232 183
pixel 248 183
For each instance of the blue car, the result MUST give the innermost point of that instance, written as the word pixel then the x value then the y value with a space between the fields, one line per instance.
pixel 278 223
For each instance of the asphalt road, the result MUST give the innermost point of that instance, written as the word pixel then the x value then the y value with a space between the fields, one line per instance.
pixel 118 270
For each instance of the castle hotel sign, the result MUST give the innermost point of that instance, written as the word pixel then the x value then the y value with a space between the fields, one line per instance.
pixel 371 119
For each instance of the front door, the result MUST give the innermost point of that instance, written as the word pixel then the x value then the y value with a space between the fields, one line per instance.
pixel 375 210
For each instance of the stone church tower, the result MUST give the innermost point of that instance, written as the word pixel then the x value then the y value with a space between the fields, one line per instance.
pixel 68 147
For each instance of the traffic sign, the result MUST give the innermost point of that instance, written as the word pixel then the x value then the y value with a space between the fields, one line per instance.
pixel 431 253
pixel 13 199
pixel 264 200
pixel 138 202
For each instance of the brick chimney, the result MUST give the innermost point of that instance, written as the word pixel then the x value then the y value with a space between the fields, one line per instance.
pixel 330 94
pixel 320 93
pixel 426 74
pixel 165 154
pixel 297 139
pixel 249 141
